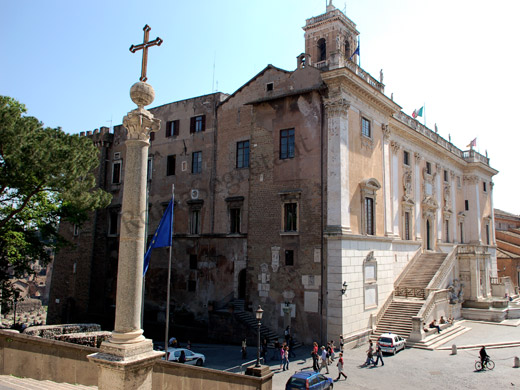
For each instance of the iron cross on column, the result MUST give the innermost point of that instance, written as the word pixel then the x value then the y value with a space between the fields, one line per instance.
pixel 144 46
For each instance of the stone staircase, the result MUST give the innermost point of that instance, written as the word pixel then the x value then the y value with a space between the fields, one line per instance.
pixel 9 382
pixel 250 320
pixel 409 296
pixel 398 318
pixel 422 272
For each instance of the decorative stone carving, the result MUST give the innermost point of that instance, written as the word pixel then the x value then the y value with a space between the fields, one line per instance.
pixel 337 107
pixel 367 143
pixel 447 198
pixel 395 147
pixel 140 123
pixel 407 185
pixel 386 131
pixel 470 179
pixel 418 157
pixel 275 258
pixel 429 207
pixel 456 292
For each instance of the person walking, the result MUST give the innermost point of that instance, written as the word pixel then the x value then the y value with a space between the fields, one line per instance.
pixel 291 347
pixel 285 358
pixel 379 355
pixel 370 354
pixel 282 356
pixel 340 367
pixel 341 343
pixel 315 357
pixel 244 349
pixel 324 359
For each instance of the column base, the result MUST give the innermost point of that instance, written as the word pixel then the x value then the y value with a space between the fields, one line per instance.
pixel 258 371
pixel 125 366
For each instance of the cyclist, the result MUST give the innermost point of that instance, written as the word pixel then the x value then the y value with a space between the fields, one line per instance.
pixel 484 357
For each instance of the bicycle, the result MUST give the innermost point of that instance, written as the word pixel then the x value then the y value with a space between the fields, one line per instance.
pixel 488 364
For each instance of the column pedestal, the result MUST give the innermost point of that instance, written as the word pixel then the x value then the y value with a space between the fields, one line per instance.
pixel 125 366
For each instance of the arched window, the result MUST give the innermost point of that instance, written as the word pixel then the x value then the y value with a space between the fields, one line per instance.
pixel 347 49
pixel 322 50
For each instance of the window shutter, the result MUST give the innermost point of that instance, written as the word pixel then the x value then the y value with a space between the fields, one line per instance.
pixel 203 122
pixel 176 127
pixel 192 124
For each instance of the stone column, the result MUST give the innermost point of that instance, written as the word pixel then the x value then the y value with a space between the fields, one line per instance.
pixel 438 184
pixel 418 214
pixel 395 188
pixel 126 360
pixel 454 229
pixel 338 191
pixel 387 181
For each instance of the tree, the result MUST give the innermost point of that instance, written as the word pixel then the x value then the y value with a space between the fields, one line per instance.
pixel 46 176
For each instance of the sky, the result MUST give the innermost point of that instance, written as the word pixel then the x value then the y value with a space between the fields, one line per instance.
pixel 69 61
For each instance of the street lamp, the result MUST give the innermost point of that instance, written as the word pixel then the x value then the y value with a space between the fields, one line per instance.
pixel 259 313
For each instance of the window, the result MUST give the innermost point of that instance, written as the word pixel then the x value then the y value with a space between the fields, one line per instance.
pixel 116 172
pixel 286 144
pixel 365 127
pixel 428 168
pixel 113 217
pixel 149 169
pixel 193 261
pixel 192 285
pixel 172 128
pixel 484 186
pixel 461 233
pixel 322 50
pixel 289 257
pixel 290 217
pixel 152 136
pixel 466 205
pixel 407 225
pixel 406 158
pixel 347 49
pixel 269 87
pixel 369 216
pixel 170 165
pixel 198 124
pixel 195 221
pixel 196 162
pixel 234 221
pixel 243 154
pixel 487 234
pixel 445 175
pixel 447 230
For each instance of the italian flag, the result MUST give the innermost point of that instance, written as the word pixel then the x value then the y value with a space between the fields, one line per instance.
pixel 418 112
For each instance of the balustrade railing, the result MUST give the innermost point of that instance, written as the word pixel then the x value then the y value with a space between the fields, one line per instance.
pixel 469 249
pixel 365 76
pixel 384 307
pixel 494 280
pixel 433 299
pixel 410 292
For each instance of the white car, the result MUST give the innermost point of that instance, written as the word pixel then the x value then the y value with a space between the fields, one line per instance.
pixel 197 359
pixel 391 343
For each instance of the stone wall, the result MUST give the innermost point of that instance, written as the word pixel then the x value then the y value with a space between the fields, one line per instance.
pixel 43 359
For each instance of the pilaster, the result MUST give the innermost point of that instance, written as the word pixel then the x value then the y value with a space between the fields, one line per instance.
pixel 418 218
pixel 395 186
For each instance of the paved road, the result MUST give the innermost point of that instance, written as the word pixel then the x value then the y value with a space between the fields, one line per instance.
pixel 409 369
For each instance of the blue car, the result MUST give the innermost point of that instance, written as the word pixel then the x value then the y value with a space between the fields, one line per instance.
pixel 309 380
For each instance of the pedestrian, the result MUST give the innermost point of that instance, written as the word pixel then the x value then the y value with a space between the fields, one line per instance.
pixel 282 356
pixel 341 343
pixel 285 358
pixel 332 347
pixel 324 359
pixel 276 351
pixel 379 355
pixel 291 347
pixel 182 358
pixel 244 349
pixel 340 367
pixel 264 348
pixel 370 354
pixel 314 355
pixel 287 334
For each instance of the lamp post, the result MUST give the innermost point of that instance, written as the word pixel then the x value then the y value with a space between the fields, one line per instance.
pixel 259 313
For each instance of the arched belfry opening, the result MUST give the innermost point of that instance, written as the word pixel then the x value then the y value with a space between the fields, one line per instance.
pixel 347 49
pixel 322 49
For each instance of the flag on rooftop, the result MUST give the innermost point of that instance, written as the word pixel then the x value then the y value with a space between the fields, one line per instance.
pixel 418 112
pixel 162 237
pixel 355 51
pixel 472 144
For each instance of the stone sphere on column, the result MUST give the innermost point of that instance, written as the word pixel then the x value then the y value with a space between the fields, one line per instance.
pixel 142 94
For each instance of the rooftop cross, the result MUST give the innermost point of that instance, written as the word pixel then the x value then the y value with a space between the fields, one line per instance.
pixel 144 46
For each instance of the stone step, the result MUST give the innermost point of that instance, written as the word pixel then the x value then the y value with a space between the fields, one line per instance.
pixel 435 340
pixel 14 383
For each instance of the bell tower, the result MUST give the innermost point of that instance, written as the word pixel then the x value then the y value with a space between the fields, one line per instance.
pixel 330 39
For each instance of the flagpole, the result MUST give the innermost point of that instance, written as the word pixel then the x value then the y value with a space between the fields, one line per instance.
pixel 166 331
pixel 424 108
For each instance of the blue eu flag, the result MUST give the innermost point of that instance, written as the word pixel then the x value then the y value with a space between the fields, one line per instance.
pixel 162 236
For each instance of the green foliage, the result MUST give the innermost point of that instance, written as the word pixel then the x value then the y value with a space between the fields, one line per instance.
pixel 46 176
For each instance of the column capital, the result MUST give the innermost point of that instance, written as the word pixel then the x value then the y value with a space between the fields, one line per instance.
pixel 386 131
pixel 140 123
pixel 395 146
pixel 418 157
pixel 336 106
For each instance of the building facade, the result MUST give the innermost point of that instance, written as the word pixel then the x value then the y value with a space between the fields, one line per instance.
pixel 308 192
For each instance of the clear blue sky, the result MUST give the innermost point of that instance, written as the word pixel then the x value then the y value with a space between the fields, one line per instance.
pixel 69 62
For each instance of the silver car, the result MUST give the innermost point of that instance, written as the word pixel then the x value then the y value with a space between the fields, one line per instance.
pixel 197 359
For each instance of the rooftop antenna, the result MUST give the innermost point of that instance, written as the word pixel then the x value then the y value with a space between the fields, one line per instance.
pixel 213 81
pixel 111 126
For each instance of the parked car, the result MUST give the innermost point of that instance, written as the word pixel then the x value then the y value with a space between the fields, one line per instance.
pixel 197 359
pixel 309 380
pixel 391 343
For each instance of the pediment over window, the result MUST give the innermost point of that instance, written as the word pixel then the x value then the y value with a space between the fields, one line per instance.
pixel 370 185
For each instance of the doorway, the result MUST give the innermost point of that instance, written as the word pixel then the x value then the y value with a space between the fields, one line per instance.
pixel 242 284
